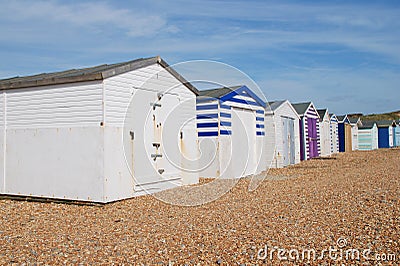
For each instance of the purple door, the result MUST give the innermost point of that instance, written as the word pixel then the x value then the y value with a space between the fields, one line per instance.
pixel 312 138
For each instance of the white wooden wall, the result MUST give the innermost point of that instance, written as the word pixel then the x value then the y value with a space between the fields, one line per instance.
pixel 374 137
pixel 68 105
pixel 2 141
pixel 397 136
pixel 54 141
pixel 391 137
pixel 270 141
pixel 119 91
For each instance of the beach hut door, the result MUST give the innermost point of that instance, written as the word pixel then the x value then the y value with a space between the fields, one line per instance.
pixel 288 141
pixel 312 137
pixel 292 148
pixel 243 159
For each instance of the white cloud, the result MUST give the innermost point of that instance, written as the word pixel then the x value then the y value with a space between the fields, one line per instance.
pixel 95 14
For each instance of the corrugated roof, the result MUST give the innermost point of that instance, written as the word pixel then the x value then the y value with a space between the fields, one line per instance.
pixel 341 117
pixel 321 113
pixel 367 125
pixel 353 120
pixel 385 123
pixel 88 74
pixel 301 108
pixel 218 92
pixel 275 104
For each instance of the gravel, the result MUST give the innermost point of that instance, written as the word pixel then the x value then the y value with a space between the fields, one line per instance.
pixel 348 201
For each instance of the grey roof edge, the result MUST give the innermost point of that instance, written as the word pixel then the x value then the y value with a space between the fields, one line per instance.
pixel 97 76
pixel 50 81
pixel 274 105
pixel 178 76
pixel 219 92
pixel 280 103
pixel 325 111
pixel 368 125
pixel 385 123
pixel 298 106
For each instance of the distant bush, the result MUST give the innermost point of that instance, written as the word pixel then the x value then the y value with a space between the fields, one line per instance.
pixel 386 116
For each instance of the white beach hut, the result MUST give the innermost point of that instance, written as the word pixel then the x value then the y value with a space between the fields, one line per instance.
pixel 355 122
pixel 324 132
pixel 97 134
pixel 282 133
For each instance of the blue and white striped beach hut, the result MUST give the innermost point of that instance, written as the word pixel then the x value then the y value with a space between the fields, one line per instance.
pixel 231 132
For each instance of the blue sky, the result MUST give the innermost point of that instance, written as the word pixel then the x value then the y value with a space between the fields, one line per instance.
pixel 344 55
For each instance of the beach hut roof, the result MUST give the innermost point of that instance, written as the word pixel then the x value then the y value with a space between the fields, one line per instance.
pixel 301 108
pixel 386 123
pixel 276 104
pixel 367 125
pixel 343 119
pixel 322 112
pixel 217 92
pixel 225 93
pixel 354 120
pixel 99 72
